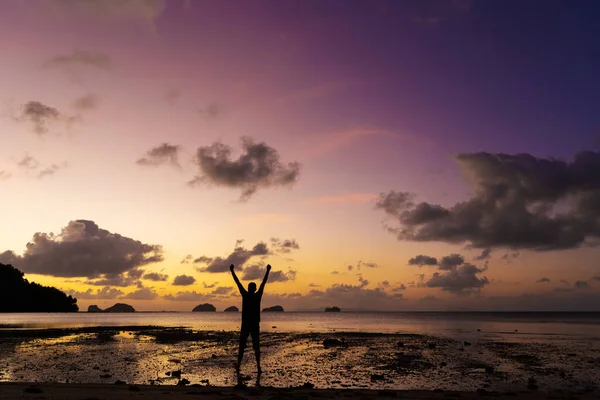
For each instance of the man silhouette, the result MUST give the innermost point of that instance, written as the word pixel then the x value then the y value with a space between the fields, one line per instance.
pixel 250 317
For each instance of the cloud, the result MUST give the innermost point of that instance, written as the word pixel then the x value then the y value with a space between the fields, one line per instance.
pixel 203 260
pixel 40 115
pixel 88 102
pixel 106 293
pixel 212 285
pixel 284 246
pixel 159 155
pixel 520 202
pixel 4 175
pixel 257 167
pixel 184 280
pixel 141 294
pixel 450 262
pixel 314 285
pixel 82 249
pixel 212 111
pixel 510 257
pixel 485 255
pixel 238 257
pixel 461 280
pixel 257 271
pixel 80 58
pixel 400 288
pixel 51 170
pixel 542 280
pixel 28 162
pixel 421 260
pixel 346 296
pixel 124 279
pixel 222 290
pixel 187 259
pixel 155 276
pixel 335 272
pixel 187 296
pixel 362 264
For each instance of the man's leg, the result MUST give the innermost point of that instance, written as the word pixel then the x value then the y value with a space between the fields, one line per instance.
pixel 256 347
pixel 243 339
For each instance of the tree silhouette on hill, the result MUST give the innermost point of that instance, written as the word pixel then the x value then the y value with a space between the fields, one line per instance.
pixel 17 294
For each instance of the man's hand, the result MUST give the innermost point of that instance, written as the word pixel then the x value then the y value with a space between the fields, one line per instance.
pixel 268 267
pixel 231 267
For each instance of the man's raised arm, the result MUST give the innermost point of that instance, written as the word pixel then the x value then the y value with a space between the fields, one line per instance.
pixel 237 281
pixel 264 282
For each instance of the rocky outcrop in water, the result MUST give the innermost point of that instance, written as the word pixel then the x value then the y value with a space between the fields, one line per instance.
pixel 94 308
pixel 17 294
pixel 120 308
pixel 232 309
pixel 333 309
pixel 204 308
pixel 273 309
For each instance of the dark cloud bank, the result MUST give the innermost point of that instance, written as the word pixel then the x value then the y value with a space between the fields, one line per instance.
pixel 82 249
pixel 241 255
pixel 456 276
pixel 519 202
pixel 258 166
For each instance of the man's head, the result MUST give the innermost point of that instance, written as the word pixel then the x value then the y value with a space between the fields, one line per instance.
pixel 251 287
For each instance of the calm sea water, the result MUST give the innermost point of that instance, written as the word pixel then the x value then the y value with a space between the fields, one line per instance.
pixel 517 326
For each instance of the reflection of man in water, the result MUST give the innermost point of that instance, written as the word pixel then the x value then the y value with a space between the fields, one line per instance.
pixel 250 316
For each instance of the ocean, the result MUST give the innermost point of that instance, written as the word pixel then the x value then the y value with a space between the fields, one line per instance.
pixel 515 325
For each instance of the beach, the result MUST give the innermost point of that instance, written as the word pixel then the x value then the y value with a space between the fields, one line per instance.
pixel 167 356
pixel 10 391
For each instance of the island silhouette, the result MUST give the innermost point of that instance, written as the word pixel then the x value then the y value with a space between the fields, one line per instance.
pixel 117 308
pixel 17 294
pixel 206 307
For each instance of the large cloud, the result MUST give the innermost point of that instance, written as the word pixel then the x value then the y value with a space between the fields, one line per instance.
pixel 82 249
pixel 238 258
pixel 457 276
pixel 162 154
pixel 520 202
pixel 184 280
pixel 459 280
pixel 257 167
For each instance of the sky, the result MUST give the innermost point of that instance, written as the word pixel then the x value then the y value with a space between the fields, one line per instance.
pixel 380 155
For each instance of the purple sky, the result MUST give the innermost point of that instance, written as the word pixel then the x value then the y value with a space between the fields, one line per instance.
pixel 367 97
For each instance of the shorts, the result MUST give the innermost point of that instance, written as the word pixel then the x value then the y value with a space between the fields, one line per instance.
pixel 252 330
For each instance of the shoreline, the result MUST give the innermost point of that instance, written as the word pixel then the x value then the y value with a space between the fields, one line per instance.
pixel 70 391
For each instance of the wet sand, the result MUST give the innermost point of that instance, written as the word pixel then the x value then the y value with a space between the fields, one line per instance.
pixel 10 391
pixel 333 360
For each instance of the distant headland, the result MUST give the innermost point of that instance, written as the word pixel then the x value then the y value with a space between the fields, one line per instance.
pixel 332 309
pixel 117 308
pixel 17 294
pixel 273 309
pixel 232 309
